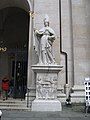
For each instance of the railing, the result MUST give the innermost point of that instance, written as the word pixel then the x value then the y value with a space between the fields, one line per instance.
pixel 87 93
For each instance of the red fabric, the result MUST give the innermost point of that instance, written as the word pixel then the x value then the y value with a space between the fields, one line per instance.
pixel 5 86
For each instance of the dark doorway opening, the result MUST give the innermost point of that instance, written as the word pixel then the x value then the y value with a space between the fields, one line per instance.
pixel 14 35
pixel 19 73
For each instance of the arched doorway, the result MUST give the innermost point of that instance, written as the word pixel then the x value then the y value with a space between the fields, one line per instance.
pixel 14 35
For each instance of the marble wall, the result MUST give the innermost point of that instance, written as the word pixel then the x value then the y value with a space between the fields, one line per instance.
pixel 81 43
pixel 81 40
pixel 75 28
pixel 51 8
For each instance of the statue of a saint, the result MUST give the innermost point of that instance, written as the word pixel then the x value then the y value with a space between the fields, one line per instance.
pixel 43 42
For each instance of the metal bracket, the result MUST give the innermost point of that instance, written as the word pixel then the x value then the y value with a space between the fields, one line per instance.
pixel 32 14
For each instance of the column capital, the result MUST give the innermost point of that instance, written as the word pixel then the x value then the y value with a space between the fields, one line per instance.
pixel 32 14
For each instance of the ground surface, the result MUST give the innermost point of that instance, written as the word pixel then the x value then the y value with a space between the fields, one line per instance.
pixel 74 112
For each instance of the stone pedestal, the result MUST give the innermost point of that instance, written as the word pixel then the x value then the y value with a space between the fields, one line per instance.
pixel 46 105
pixel 46 88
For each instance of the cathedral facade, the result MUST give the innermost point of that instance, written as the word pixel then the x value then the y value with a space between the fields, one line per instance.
pixel 70 21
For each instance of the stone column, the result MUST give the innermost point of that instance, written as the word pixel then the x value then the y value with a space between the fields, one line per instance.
pixel 29 82
pixel 31 17
pixel 81 26
pixel 30 76
pixel 67 39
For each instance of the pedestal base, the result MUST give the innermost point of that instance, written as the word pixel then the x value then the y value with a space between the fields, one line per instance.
pixel 78 95
pixel 46 105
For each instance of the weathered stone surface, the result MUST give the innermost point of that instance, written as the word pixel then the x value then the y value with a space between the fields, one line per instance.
pixel 46 105
pixel 46 88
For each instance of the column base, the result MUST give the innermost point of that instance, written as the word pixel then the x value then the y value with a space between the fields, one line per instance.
pixel 46 105
pixel 78 95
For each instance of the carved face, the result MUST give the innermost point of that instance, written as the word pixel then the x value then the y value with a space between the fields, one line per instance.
pixel 46 24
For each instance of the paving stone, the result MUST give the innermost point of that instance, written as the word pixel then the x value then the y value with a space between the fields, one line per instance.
pixel 66 114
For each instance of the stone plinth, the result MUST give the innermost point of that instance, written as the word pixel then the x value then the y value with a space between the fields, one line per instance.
pixel 46 88
pixel 78 95
pixel 46 105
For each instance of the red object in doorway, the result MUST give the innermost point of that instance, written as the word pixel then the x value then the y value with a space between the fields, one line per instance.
pixel 5 84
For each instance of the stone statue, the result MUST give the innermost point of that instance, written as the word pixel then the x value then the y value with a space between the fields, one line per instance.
pixel 43 42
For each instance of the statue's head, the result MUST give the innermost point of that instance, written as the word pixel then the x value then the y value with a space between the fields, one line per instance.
pixel 46 20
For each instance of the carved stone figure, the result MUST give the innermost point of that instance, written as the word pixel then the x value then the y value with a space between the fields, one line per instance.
pixel 46 70
pixel 43 42
pixel 46 86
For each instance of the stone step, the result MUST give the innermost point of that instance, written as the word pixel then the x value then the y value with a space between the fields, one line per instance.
pixel 13 104
pixel 12 100
pixel 14 108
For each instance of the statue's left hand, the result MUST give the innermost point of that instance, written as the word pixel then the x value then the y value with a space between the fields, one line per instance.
pixel 52 38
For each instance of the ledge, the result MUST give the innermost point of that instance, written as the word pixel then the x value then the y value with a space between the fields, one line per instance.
pixel 47 68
